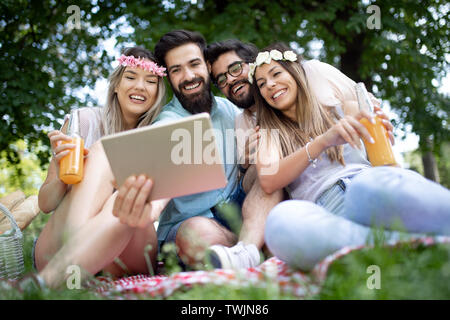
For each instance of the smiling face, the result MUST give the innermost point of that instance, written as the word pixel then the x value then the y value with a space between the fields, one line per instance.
pixel 236 89
pixel 136 92
pixel 189 77
pixel 277 87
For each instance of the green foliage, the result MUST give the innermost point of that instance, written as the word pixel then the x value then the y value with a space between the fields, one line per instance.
pixel 44 63
pixel 403 62
pixel 443 163
pixel 265 290
pixel 169 255
pixel 27 175
pixel 29 291
pixel 406 272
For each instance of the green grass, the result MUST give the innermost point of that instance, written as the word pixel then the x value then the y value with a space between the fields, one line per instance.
pixel 31 292
pixel 406 272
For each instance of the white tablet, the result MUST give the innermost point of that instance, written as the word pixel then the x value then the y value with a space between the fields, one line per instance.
pixel 181 157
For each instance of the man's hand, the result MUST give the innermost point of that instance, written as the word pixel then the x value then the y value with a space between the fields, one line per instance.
pixel 251 143
pixel 132 206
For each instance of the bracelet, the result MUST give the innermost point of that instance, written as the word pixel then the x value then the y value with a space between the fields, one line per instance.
pixel 311 161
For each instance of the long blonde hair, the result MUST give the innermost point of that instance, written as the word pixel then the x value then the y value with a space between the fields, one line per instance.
pixel 313 119
pixel 112 119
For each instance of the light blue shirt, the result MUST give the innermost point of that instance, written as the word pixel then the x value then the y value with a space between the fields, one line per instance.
pixel 179 209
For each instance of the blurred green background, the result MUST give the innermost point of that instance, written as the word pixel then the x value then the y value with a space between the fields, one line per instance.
pixel 51 59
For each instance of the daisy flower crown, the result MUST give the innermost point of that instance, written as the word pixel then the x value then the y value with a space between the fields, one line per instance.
pixel 150 66
pixel 267 57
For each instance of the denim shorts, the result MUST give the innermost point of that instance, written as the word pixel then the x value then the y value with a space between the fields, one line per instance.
pixel 332 199
pixel 237 198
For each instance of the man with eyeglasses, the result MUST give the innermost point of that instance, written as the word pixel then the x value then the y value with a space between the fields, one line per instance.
pixel 228 62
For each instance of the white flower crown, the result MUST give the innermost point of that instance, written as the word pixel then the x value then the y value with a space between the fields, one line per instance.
pixel 266 57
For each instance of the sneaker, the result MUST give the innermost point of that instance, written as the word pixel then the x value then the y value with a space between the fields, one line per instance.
pixel 240 256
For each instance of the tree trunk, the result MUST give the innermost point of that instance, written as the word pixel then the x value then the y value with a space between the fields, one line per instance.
pixel 351 59
pixel 430 168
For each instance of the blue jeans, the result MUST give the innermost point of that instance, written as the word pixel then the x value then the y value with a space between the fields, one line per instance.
pixel 236 199
pixel 384 196
pixel 302 233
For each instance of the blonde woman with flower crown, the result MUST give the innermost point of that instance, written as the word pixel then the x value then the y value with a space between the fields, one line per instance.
pixel 82 229
pixel 313 148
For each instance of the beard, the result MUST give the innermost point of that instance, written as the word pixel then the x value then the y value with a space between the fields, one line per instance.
pixel 198 102
pixel 244 102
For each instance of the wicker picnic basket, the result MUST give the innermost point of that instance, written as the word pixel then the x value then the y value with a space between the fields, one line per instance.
pixel 11 249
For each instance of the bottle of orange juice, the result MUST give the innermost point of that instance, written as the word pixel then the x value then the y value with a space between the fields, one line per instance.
pixel 71 165
pixel 380 153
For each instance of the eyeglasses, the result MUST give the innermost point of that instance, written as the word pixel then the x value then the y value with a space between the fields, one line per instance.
pixel 234 70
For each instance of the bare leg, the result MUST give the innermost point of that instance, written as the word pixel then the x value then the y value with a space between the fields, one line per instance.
pixel 95 246
pixel 81 203
pixel 257 204
pixel 83 231
pixel 196 234
pixel 256 207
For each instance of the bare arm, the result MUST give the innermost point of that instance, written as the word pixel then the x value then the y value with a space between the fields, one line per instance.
pixel 53 189
pixel 279 174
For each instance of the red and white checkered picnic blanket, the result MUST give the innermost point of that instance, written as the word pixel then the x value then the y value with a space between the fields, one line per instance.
pixel 271 272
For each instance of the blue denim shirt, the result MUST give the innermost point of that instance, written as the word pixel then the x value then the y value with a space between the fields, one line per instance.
pixel 178 209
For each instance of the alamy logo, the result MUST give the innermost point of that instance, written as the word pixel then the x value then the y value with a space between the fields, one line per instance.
pixel 374 21
pixel 374 281
pixel 74 279
pixel 73 22
pixel 200 148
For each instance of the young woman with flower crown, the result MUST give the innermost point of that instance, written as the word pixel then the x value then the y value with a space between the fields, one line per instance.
pixel 311 114
pixel 82 231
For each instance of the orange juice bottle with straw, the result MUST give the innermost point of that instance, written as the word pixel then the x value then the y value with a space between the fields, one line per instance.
pixel 380 153
pixel 71 166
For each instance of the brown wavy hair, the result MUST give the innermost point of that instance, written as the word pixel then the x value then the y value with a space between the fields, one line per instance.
pixel 313 119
